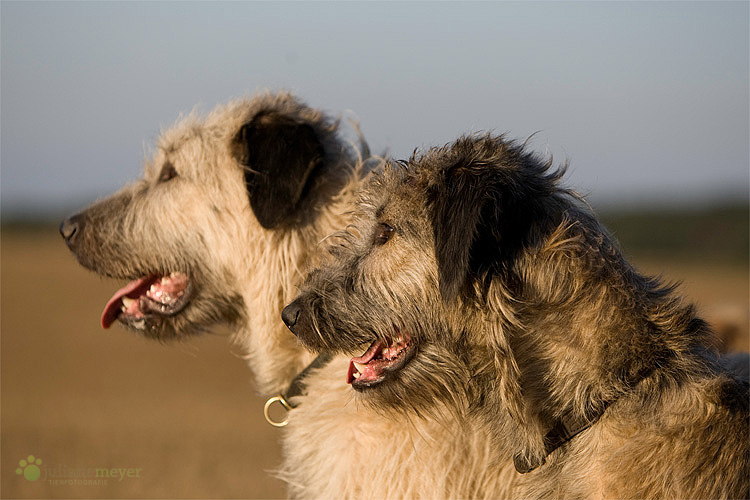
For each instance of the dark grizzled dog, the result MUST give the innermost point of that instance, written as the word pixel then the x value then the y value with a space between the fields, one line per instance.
pixel 473 281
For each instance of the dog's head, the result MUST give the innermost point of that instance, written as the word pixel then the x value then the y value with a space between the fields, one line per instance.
pixel 215 195
pixel 408 283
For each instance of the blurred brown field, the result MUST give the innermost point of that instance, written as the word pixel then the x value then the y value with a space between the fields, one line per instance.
pixel 78 397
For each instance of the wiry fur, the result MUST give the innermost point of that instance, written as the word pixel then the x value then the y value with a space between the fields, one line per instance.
pixel 524 314
pixel 337 447
pixel 217 220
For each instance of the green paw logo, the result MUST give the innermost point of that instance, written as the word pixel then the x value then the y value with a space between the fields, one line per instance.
pixel 29 468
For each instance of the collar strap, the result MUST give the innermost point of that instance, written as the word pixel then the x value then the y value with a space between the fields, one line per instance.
pixel 296 388
pixel 563 430
pixel 568 427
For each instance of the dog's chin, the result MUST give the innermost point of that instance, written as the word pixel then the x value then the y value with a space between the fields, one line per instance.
pixel 158 327
pixel 382 362
pixel 201 314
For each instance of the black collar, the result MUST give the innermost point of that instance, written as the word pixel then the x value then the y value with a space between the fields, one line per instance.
pixel 568 427
pixel 296 388
pixel 563 430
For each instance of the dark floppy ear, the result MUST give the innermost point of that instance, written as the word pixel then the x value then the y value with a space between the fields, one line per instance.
pixel 456 212
pixel 280 155
pixel 482 216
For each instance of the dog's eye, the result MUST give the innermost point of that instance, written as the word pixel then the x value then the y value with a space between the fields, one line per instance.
pixel 383 233
pixel 167 172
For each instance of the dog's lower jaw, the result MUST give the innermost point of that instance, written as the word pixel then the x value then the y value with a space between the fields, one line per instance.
pixel 202 314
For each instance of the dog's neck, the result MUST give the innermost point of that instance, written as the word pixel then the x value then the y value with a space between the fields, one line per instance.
pixel 574 361
pixel 273 353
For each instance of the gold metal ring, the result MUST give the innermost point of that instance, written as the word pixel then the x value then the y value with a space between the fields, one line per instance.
pixel 284 403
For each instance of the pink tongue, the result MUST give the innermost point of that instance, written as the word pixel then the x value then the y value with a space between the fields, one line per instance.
pixel 132 290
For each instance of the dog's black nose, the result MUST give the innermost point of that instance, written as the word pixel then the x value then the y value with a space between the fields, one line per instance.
pixel 290 314
pixel 70 228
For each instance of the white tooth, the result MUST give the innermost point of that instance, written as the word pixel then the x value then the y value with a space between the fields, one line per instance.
pixel 399 339
pixel 126 301
pixel 356 374
pixel 165 279
pixel 153 288
pixel 360 367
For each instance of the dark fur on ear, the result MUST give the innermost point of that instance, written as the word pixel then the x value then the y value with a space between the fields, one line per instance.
pixel 483 202
pixel 281 156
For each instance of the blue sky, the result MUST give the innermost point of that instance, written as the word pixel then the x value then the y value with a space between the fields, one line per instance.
pixel 648 101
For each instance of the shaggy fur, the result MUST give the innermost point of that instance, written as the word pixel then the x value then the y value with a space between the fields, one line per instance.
pixel 237 202
pixel 196 211
pixel 498 309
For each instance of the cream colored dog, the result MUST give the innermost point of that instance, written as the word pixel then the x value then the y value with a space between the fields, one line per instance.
pixel 227 216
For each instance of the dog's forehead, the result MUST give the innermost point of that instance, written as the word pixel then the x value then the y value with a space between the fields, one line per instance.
pixel 180 140
pixel 395 194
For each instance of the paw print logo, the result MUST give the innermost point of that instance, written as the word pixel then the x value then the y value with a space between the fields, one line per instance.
pixel 29 468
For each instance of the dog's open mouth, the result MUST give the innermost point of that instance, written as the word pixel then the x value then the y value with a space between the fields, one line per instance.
pixel 147 296
pixel 383 358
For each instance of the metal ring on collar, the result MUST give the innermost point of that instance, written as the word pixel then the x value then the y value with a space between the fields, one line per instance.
pixel 284 403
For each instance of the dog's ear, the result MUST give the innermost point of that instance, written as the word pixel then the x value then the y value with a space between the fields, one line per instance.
pixel 483 205
pixel 280 156
pixel 457 205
